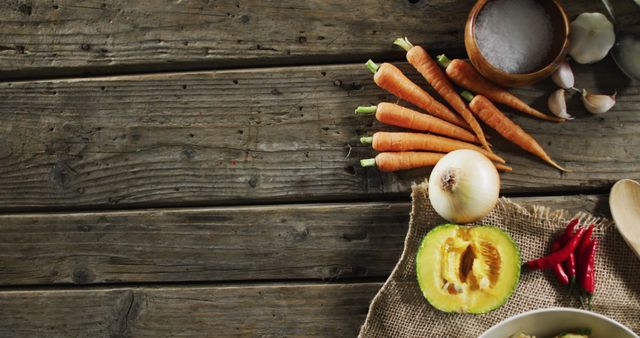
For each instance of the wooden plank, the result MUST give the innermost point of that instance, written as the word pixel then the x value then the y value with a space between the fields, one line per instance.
pixel 328 241
pixel 297 310
pixel 41 37
pixel 265 134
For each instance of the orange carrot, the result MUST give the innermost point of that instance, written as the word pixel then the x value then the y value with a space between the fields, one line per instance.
pixel 386 141
pixel 390 162
pixel 487 112
pixel 399 116
pixel 430 70
pixel 391 79
pixel 464 75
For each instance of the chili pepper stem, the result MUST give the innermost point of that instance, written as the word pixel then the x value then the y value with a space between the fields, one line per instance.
pixel 372 66
pixel 403 43
pixel 366 110
pixel 581 300
pixel 571 283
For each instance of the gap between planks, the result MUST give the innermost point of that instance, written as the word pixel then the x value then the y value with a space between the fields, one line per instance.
pixel 93 73
pixel 394 197
pixel 151 70
pixel 240 283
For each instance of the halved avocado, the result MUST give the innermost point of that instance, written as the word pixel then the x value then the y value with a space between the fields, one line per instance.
pixel 467 269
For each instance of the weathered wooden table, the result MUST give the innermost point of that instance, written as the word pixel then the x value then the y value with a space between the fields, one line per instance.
pixel 183 167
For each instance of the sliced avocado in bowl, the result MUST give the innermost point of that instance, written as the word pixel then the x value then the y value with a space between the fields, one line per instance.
pixel 467 269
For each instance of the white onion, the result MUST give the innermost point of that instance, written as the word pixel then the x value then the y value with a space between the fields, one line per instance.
pixel 464 186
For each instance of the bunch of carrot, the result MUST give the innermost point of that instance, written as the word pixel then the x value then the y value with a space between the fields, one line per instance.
pixel 459 130
pixel 572 259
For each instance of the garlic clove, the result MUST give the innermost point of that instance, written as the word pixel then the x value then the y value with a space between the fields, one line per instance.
pixel 563 76
pixel 558 105
pixel 598 103
pixel 591 38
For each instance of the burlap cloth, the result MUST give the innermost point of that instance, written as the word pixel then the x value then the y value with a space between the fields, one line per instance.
pixel 400 310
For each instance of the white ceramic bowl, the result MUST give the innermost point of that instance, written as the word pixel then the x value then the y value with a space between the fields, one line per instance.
pixel 549 322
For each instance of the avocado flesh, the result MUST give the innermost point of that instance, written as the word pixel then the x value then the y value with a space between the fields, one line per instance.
pixel 467 269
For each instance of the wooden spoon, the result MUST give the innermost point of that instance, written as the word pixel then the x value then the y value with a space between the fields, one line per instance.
pixel 624 201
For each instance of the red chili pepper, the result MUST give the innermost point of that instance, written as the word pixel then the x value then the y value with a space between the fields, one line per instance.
pixel 570 262
pixel 570 267
pixel 586 238
pixel 558 256
pixel 579 252
pixel 561 276
pixel 568 231
pixel 588 282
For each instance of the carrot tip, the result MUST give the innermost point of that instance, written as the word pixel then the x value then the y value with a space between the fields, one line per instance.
pixel 502 167
pixel 366 140
pixel 372 66
pixel 366 109
pixel 551 118
pixel 369 162
pixel 403 43
pixel 557 166
pixel 498 159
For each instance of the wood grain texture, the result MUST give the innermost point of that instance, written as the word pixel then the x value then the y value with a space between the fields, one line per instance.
pixel 274 134
pixel 41 37
pixel 295 310
pixel 328 241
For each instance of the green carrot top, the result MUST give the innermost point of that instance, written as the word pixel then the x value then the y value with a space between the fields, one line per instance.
pixel 467 95
pixel 366 110
pixel 369 162
pixel 366 140
pixel 403 43
pixel 373 67
pixel 443 60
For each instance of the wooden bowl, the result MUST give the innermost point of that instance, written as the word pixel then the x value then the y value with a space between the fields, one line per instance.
pixel 559 47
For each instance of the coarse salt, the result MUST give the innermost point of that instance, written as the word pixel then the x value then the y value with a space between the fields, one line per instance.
pixel 514 35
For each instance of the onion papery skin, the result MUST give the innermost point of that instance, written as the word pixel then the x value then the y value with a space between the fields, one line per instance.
pixel 464 186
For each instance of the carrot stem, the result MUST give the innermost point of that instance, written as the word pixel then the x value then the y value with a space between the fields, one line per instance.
pixel 444 61
pixel 369 162
pixel 366 110
pixel 366 139
pixel 403 43
pixel 467 95
pixel 372 66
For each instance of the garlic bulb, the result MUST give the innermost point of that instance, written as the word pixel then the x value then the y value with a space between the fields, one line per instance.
pixel 597 103
pixel 563 76
pixel 558 105
pixel 591 37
